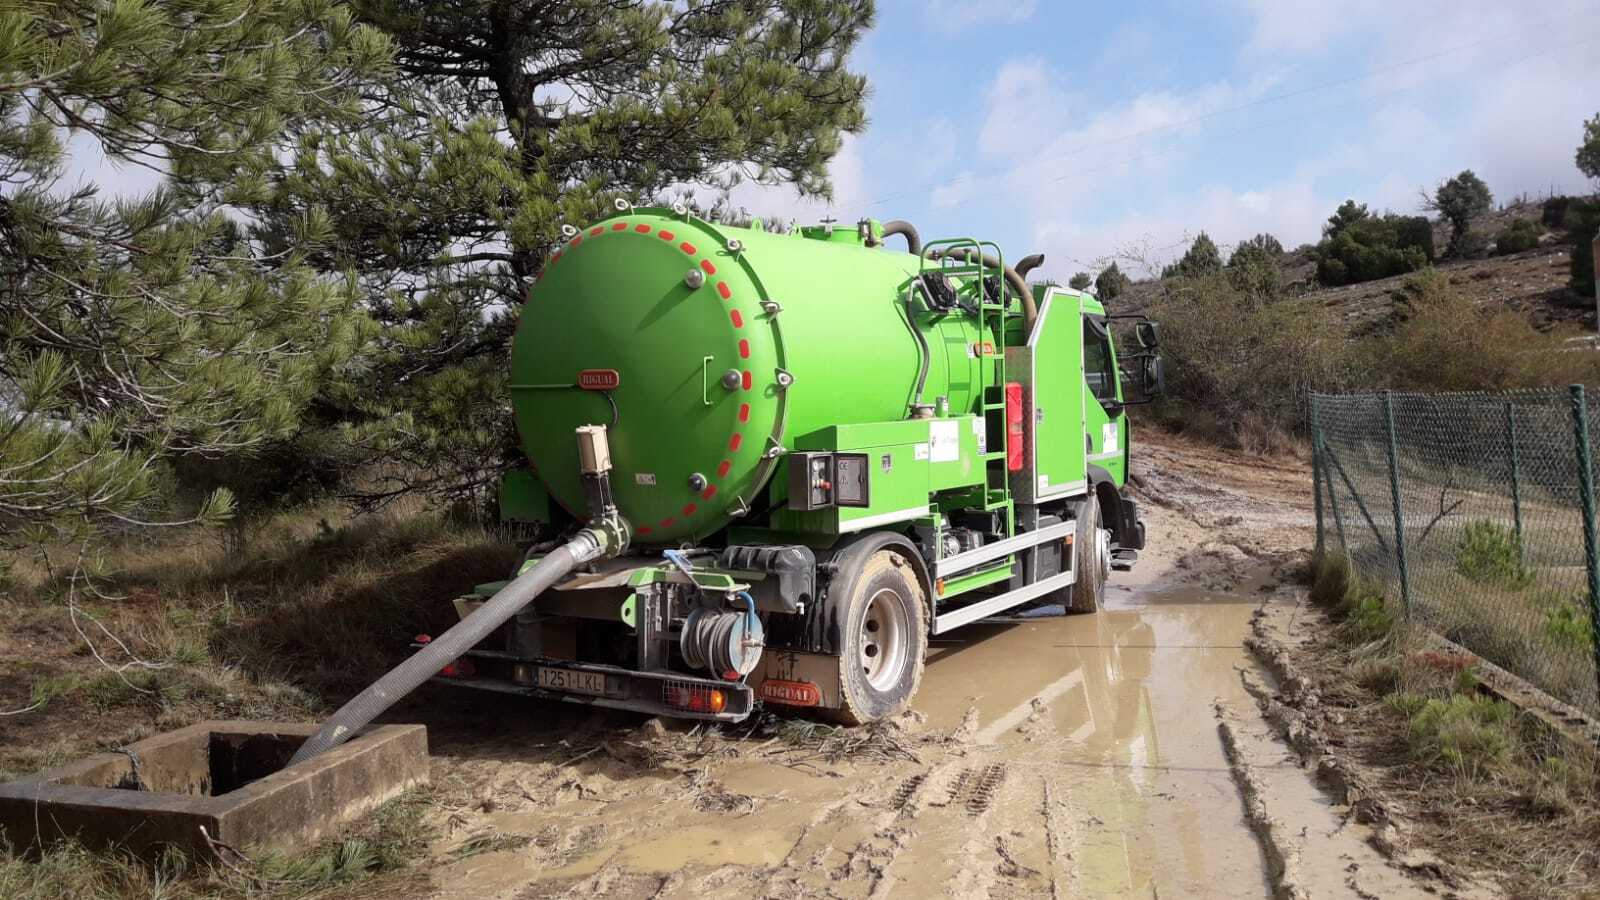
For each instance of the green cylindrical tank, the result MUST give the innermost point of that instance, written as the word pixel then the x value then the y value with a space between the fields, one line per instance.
pixel 707 348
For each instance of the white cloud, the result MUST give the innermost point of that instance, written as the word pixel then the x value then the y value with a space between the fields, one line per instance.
pixel 1059 159
pixel 1143 240
pixel 1528 122
pixel 782 202
pixel 1452 87
pixel 1024 92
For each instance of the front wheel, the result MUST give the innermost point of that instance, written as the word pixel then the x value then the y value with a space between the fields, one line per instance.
pixel 885 639
pixel 1091 549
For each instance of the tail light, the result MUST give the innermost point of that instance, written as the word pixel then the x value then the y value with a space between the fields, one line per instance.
pixel 694 697
pixel 461 668
pixel 1015 435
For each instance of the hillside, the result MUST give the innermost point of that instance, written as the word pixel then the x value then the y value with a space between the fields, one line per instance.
pixel 1533 282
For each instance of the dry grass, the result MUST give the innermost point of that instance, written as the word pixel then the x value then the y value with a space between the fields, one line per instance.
pixel 280 621
pixel 1488 785
pixel 273 622
pixel 386 842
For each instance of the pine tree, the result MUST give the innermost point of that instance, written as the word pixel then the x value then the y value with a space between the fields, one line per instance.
pixel 1349 213
pixel 138 330
pixel 1202 258
pixel 1460 200
pixel 1254 268
pixel 1111 283
pixel 506 120
pixel 1079 281
pixel 1588 155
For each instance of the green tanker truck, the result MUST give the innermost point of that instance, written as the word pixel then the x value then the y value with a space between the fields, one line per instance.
pixel 780 461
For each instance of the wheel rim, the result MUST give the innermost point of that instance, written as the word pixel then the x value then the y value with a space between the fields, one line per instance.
pixel 884 628
pixel 1102 547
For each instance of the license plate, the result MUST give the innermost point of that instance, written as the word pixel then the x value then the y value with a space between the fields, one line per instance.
pixel 569 680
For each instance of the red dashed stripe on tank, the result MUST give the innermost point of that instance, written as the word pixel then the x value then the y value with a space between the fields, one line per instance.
pixel 736 317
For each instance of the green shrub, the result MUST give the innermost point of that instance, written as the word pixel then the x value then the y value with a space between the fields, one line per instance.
pixel 1460 200
pixel 1079 281
pixel 1368 620
pixel 1464 734
pixel 1201 259
pixel 1489 553
pixel 1110 283
pixel 1254 268
pixel 1553 214
pixel 1520 235
pixel 1369 247
pixel 1470 244
pixel 1583 220
pixel 1363 613
pixel 1566 619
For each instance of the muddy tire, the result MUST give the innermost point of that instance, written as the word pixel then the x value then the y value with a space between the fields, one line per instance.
pixel 1092 559
pixel 884 641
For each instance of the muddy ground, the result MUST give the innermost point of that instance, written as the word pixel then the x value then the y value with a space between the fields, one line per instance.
pixel 1121 754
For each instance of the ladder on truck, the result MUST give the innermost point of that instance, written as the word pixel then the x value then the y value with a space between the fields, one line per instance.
pixel 992 360
pixel 996 492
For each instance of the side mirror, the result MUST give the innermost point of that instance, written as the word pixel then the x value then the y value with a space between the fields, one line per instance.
pixel 1154 377
pixel 1148 334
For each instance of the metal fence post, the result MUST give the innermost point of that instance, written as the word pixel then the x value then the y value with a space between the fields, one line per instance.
pixel 1316 471
pixel 1399 514
pixel 1591 556
pixel 1516 475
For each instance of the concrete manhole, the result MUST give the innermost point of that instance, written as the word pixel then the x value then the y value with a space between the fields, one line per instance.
pixel 227 778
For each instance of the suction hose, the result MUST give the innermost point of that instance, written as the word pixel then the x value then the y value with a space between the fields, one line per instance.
pixel 1029 311
pixel 446 648
pixel 906 230
pixel 1029 263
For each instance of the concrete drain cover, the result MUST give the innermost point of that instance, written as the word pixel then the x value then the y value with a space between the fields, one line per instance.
pixel 225 777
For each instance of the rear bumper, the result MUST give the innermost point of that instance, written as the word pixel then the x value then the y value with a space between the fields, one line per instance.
pixel 646 692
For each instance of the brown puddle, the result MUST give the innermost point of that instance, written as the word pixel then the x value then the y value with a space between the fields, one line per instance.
pixel 1106 724
pixel 1085 762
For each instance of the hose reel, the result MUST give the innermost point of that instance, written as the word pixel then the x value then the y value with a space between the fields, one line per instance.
pixel 726 643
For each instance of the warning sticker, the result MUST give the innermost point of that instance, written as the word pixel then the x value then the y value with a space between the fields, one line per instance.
pixel 944 436
pixel 1108 438
pixel 920 451
pixel 980 430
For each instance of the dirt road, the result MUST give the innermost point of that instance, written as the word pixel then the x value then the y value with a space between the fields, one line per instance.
pixel 1086 756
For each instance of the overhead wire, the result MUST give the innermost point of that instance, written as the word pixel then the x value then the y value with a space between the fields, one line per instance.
pixel 1101 144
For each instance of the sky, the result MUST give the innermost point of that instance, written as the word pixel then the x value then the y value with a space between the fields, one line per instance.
pixel 1100 131
pixel 1093 131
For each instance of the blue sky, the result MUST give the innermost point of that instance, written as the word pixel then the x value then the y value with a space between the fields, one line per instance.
pixel 1093 131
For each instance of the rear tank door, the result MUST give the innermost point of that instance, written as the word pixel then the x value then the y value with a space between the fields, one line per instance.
pixel 1050 369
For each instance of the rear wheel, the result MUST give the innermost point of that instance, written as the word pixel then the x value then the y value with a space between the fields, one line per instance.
pixel 1091 557
pixel 885 639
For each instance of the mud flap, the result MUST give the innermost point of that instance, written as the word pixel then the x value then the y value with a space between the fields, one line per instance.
pixel 791 678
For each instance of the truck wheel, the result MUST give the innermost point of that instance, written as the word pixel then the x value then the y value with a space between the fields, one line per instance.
pixel 885 639
pixel 1091 551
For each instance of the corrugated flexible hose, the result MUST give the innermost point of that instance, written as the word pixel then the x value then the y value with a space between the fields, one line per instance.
pixel 447 647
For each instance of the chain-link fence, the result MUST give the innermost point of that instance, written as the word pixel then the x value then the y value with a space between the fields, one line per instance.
pixel 1473 514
